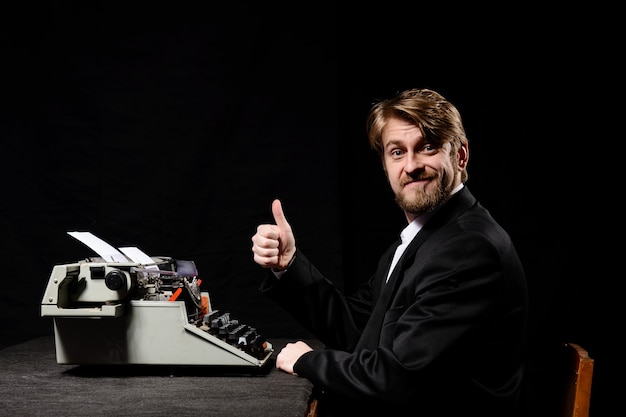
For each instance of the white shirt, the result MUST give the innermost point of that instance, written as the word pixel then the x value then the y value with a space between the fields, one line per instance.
pixel 407 235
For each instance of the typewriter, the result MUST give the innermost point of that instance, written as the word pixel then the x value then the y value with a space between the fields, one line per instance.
pixel 125 307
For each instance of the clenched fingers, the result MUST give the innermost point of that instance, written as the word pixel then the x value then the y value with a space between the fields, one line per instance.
pixel 266 245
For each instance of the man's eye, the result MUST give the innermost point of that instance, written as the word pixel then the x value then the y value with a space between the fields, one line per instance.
pixel 396 152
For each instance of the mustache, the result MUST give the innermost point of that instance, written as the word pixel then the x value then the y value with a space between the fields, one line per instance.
pixel 421 177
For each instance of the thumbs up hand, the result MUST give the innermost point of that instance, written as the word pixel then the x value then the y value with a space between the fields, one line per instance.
pixel 274 245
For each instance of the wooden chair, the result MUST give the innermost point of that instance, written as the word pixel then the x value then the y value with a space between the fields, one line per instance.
pixel 578 367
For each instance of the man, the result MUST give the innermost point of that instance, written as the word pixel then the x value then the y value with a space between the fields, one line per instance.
pixel 439 328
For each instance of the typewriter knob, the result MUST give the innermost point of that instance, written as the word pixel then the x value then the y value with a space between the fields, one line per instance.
pixel 115 280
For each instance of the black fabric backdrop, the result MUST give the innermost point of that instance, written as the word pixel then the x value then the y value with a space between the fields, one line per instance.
pixel 173 129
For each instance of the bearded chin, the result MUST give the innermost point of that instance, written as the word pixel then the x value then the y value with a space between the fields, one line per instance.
pixel 424 200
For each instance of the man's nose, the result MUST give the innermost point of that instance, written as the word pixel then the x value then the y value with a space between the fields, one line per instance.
pixel 413 162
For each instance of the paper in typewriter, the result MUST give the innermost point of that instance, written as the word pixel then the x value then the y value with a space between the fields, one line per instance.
pixel 99 246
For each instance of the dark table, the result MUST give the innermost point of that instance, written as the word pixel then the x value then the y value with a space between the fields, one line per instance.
pixel 33 384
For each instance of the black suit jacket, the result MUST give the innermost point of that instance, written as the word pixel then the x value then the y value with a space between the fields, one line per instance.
pixel 445 335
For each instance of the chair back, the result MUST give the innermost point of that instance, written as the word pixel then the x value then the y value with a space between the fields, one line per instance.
pixel 578 366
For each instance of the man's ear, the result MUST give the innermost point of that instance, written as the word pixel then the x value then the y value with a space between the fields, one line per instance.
pixel 463 156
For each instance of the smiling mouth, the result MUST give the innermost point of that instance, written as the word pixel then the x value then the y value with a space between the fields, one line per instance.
pixel 416 181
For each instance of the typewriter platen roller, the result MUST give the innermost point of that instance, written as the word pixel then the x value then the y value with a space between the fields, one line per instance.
pixel 130 308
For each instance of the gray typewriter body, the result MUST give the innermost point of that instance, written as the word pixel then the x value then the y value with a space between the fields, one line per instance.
pixel 149 313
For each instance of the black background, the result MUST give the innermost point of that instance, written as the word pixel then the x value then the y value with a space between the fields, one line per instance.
pixel 173 128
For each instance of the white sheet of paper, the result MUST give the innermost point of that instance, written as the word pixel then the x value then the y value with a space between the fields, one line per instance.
pixel 102 248
pixel 137 255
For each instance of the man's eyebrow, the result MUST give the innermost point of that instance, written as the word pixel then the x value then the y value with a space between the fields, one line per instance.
pixel 393 142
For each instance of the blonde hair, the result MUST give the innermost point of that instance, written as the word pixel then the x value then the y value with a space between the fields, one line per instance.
pixel 437 118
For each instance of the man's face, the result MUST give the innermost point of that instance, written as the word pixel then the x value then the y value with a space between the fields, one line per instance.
pixel 420 174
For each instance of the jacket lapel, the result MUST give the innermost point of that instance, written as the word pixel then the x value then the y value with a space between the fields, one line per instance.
pixel 460 202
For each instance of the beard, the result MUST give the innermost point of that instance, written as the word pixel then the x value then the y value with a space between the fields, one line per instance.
pixel 425 199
